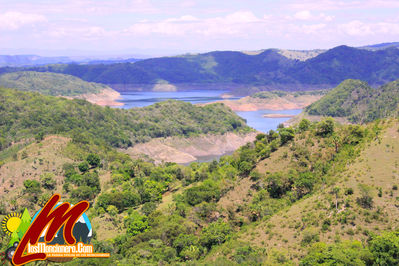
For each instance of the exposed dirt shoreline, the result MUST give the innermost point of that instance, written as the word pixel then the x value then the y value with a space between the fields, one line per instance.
pixel 106 97
pixel 288 102
pixel 185 150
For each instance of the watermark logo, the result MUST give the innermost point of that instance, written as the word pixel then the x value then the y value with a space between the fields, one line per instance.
pixel 58 232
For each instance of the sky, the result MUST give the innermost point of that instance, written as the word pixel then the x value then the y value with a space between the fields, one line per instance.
pixel 160 27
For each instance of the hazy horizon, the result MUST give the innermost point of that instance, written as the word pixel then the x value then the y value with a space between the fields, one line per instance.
pixel 145 28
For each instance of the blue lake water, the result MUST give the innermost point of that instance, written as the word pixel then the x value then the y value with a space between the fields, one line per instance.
pixel 144 98
pixel 254 119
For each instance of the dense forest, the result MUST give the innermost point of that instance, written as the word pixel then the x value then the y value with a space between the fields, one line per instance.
pixel 32 115
pixel 268 69
pixel 357 101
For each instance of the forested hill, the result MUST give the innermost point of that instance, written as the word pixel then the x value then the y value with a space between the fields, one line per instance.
pixel 27 115
pixel 268 69
pixel 357 101
pixel 49 83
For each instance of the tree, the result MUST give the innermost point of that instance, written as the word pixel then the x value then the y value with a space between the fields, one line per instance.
pixel 336 192
pixel 303 125
pixel 286 134
pixel 185 240
pixel 337 142
pixel 136 223
pixel 278 184
pixel 385 249
pixel 215 234
pixel 325 127
pixel 93 159
pixel 346 253
pixel 83 167
pixel 366 199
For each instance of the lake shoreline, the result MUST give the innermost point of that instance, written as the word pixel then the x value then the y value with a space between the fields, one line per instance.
pixel 278 116
pixel 289 102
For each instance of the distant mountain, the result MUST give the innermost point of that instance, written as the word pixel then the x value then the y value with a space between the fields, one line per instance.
pixel 36 60
pixel 381 46
pixel 240 71
pixel 31 60
pixel 357 101
pixel 49 83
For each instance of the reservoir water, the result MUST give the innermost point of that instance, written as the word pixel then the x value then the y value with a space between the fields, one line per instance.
pixel 254 119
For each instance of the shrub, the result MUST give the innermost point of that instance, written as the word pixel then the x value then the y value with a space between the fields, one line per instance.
pixel 93 159
pixel 32 186
pixel 303 125
pixel 136 223
pixel 48 181
pixel 366 199
pixel 278 184
pixel 83 167
pixel 385 249
pixel 148 207
pixel 310 235
pixel 207 191
pixel 325 127
pixel 346 253
pixel 286 134
pixel 215 233
pixel 349 191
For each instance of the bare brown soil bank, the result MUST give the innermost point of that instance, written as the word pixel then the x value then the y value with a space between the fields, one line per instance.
pixel 106 97
pixel 288 102
pixel 185 150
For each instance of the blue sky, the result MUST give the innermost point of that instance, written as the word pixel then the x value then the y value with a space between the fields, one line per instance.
pixel 158 27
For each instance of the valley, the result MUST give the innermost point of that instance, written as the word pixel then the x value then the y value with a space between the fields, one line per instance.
pixel 182 177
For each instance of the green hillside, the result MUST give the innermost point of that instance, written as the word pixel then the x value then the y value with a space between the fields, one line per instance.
pixel 276 94
pixel 49 83
pixel 27 115
pixel 317 193
pixel 298 194
pixel 358 102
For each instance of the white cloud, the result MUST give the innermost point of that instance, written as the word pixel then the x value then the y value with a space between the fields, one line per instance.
pixel 313 29
pixel 356 28
pixel 303 15
pixel 85 33
pixel 15 20
pixel 307 15
pixel 359 28
pixel 342 5
pixel 236 23
pixel 85 7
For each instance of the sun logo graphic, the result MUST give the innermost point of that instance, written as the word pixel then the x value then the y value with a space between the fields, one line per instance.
pixel 15 225
pixel 11 223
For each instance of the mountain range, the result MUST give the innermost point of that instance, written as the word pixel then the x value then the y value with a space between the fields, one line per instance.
pixel 242 72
